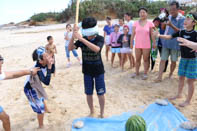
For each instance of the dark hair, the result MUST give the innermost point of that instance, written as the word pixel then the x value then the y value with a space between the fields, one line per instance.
pixel 1 58
pixel 68 25
pixel 194 14
pixel 129 14
pixel 108 18
pixel 121 19
pixel 49 37
pixel 165 10
pixel 116 25
pixel 89 22
pixel 143 8
pixel 175 3
pixel 156 19
pixel 35 56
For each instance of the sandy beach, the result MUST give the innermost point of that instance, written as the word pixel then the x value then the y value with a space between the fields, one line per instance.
pixel 67 100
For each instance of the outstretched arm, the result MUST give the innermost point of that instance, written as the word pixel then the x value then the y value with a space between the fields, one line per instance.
pixel 158 35
pixel 17 74
pixel 185 42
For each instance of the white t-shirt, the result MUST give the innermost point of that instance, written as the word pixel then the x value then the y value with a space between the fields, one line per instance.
pixel 121 29
pixel 69 36
pixel 2 76
pixel 130 25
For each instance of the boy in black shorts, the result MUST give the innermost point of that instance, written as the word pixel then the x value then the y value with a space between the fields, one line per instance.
pixel 91 45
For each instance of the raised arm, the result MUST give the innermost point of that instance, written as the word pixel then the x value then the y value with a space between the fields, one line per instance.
pixel 71 45
pixel 76 35
pixel 46 79
pixel 169 23
pixel 88 44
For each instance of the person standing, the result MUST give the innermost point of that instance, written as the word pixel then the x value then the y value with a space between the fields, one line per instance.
pixel 108 29
pixel 67 37
pixel 142 29
pixel 171 47
pixel 121 26
pixel 115 46
pixel 188 63
pixel 91 45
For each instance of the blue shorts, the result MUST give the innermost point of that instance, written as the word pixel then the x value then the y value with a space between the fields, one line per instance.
pixel 99 83
pixel 1 109
pixel 115 50
pixel 188 68
pixel 36 103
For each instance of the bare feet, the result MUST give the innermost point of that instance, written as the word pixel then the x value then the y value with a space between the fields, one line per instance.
pixel 184 104
pixel 47 110
pixel 101 116
pixel 145 77
pixel 170 76
pixel 134 75
pixel 91 115
pixel 158 80
pixel 41 127
pixel 174 98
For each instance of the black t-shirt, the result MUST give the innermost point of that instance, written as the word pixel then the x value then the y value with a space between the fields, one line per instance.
pixel 92 61
pixel 191 36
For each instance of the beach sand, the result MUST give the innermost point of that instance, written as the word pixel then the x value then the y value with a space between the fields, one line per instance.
pixel 67 100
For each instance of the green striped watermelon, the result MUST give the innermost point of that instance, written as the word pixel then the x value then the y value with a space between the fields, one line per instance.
pixel 136 123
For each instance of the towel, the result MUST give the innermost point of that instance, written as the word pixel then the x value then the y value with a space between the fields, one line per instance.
pixel 36 84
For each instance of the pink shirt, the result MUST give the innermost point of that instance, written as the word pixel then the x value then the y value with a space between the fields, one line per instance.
pixel 114 38
pixel 142 35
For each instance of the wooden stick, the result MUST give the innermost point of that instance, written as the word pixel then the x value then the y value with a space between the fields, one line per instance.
pixel 77 12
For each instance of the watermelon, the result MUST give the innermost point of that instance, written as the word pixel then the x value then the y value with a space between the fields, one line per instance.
pixel 136 123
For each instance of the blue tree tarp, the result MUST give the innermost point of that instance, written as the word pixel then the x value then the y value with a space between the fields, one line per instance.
pixel 158 118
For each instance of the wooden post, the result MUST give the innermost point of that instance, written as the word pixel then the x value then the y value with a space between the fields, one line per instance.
pixel 77 12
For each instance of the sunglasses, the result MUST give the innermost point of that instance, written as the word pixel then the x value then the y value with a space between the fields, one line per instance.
pixel 191 16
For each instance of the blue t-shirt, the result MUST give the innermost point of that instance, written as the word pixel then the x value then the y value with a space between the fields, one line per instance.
pixel 108 29
pixel 161 31
pixel 173 43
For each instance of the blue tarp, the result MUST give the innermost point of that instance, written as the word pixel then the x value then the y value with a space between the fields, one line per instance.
pixel 158 118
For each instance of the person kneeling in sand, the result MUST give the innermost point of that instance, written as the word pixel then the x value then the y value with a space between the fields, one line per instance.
pixel 91 45
pixel 11 75
pixel 33 89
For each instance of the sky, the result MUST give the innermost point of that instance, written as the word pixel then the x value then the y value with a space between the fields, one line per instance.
pixel 20 10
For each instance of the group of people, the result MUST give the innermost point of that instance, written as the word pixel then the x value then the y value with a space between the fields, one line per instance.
pixel 145 36
pixel 149 37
